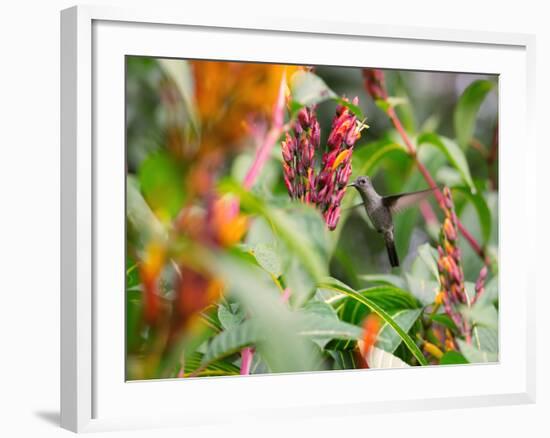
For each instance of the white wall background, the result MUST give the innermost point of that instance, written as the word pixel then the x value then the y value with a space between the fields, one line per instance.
pixel 29 216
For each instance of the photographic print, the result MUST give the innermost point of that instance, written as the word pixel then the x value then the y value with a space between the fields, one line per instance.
pixel 298 218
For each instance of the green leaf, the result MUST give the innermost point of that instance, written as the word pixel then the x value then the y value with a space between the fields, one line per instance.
pixel 452 358
pixel 132 274
pixel 298 238
pixel 482 314
pixel 378 358
pixel 391 102
pixel 344 360
pixel 384 279
pixel 466 110
pixel 482 210
pixel 133 317
pixel 409 342
pixel 423 278
pixel 320 321
pixel 231 341
pixel 314 325
pixel 267 257
pixel 230 316
pixel 352 107
pixel 424 290
pixel 386 296
pixel 161 182
pixel 429 256
pixel 388 338
pixel 220 368
pixel 274 325
pixel 475 355
pixel 445 321
pixel 309 89
pixel 368 157
pixel 323 328
pixel 452 152
pixel 139 214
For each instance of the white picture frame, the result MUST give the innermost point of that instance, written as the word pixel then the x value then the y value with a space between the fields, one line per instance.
pixel 94 40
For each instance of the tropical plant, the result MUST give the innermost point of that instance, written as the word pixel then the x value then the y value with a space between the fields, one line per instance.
pixel 245 252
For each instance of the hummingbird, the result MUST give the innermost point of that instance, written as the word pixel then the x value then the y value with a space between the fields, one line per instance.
pixel 380 210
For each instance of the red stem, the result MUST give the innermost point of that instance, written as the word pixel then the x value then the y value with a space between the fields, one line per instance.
pixel 431 182
pixel 247 354
pixel 269 140
pixel 262 155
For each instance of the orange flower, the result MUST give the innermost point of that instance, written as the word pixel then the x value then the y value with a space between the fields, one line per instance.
pixel 229 93
pixel 150 269
pixel 194 292
pixel 371 327
pixel 227 224
pixel 220 225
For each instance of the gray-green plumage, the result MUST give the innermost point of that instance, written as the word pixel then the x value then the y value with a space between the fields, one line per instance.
pixel 380 210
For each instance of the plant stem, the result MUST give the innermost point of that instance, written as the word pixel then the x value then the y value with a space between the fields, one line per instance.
pixel 247 354
pixel 431 182
pixel 492 158
pixel 262 155
pixel 270 138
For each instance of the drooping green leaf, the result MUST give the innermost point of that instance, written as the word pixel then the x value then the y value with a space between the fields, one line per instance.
pixel 411 345
pixel 452 152
pixel 387 297
pixel 466 110
pixel 388 338
pixel 383 279
pixel 452 358
pixel 308 89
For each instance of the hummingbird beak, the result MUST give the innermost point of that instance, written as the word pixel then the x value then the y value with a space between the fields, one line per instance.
pixel 351 185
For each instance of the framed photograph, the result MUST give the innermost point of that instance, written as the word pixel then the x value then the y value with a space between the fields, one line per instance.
pixel 263 218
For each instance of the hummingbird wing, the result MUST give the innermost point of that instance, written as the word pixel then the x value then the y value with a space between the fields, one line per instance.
pixel 402 201
pixel 361 204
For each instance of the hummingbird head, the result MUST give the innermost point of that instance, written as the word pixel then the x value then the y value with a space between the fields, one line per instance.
pixel 362 182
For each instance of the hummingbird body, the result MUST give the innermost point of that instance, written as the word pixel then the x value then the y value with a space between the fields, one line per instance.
pixel 380 210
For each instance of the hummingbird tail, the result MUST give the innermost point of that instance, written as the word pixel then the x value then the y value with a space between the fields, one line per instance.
pixel 392 252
